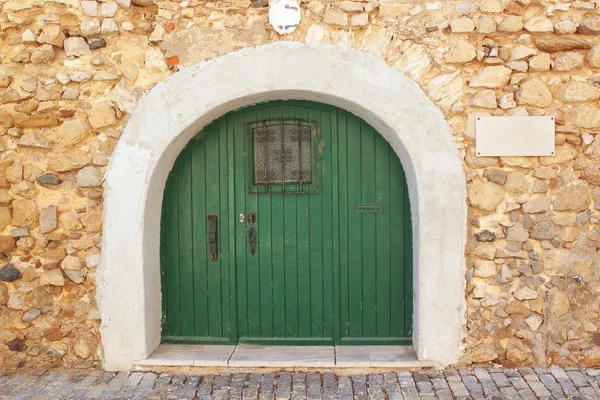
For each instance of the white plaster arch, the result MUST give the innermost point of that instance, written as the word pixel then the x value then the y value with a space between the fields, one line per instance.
pixel 177 108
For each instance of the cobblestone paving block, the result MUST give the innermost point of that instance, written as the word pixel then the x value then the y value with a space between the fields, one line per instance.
pixel 509 392
pixel 67 389
pixel 481 374
pixel 284 386
pixel 359 384
pixel 250 393
pixel 267 387
pixel 568 387
pixel 145 386
pixel 551 384
pixel 558 373
pixel 435 374
pixel 205 388
pixel 500 379
pixel 390 377
pixel 517 382
pixel 130 385
pixel 41 388
pixel 374 387
pixel 5 378
pixel 452 375
pixel 114 386
pixel 236 386
pixel 345 388
pixel 222 381
pixel 510 372
pixel 439 383
pixel 528 374
pixel 81 392
pixel 458 388
pixel 489 387
pixel 539 389
pixel 99 386
pixel 13 383
pixel 593 371
pixel 313 390
pixel 375 380
pixel 160 387
pixel 375 393
pixel 405 379
pixel 444 394
pixel 392 391
pixel 578 378
pixel 425 388
pixel 189 388
pixel 23 387
pixel 527 394
pixel 220 394
pixel 330 386
pixel 409 392
pixel 473 386
pixel 588 393
pixel 299 387
pixel 420 376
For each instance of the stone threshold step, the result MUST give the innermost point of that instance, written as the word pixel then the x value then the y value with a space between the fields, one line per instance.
pixel 255 356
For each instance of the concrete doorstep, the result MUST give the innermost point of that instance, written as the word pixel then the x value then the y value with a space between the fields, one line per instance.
pixel 255 356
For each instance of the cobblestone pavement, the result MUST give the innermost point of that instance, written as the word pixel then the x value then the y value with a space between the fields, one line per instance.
pixel 523 383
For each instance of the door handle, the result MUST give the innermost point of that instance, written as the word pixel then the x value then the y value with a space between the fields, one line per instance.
pixel 212 236
pixel 252 233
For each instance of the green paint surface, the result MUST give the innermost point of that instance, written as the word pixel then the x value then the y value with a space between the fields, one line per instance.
pixel 333 260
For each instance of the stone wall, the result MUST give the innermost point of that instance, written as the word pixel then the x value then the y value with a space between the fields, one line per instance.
pixel 72 72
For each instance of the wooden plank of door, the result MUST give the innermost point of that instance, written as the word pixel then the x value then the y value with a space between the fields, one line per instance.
pixel 173 315
pixel 320 223
pixel 223 233
pixel 303 253
pixel 398 256
pixel 215 303
pixel 264 221
pixel 233 223
pixel 163 270
pixel 343 215
pixel 200 177
pixel 382 196
pixel 241 234
pixel 355 232
pixel 252 260
pixel 277 253
pixel 369 230
pixel 185 244
pixel 290 224
pixel 407 301
pixel 330 122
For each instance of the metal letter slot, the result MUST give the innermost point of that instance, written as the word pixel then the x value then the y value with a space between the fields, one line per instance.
pixel 368 209
pixel 212 236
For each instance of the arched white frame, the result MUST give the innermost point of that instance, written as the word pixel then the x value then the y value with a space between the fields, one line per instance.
pixel 176 109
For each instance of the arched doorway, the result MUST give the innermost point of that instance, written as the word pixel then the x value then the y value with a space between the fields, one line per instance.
pixel 175 110
pixel 287 222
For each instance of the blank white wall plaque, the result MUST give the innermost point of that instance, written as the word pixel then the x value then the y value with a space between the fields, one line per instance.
pixel 514 136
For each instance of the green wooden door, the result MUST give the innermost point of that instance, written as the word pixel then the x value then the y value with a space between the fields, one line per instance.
pixel 310 249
